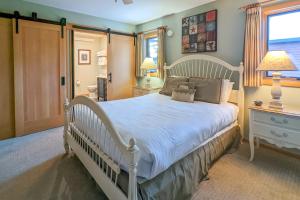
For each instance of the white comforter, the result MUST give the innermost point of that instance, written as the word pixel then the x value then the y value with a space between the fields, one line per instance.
pixel 166 130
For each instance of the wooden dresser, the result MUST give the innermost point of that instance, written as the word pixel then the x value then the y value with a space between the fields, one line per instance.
pixel 278 127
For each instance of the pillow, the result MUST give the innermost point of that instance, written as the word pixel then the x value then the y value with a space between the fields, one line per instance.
pixel 207 90
pixel 184 94
pixel 172 83
pixel 187 85
pixel 226 90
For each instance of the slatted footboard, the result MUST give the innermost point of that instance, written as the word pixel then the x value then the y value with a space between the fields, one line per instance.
pixel 91 135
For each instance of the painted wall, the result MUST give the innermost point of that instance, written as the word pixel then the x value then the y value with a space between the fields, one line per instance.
pixel 231 26
pixel 26 8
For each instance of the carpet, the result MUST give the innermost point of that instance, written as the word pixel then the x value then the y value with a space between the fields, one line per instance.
pixel 34 167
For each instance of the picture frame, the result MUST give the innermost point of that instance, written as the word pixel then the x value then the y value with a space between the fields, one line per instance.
pixel 199 32
pixel 84 57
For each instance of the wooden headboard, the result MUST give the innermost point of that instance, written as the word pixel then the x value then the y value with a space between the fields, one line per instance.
pixel 206 66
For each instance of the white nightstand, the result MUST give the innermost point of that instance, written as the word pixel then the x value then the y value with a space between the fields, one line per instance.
pixel 140 91
pixel 278 127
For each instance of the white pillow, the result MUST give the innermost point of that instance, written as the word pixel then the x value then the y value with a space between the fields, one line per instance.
pixel 226 90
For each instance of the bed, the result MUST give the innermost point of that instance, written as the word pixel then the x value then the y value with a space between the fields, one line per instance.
pixel 134 148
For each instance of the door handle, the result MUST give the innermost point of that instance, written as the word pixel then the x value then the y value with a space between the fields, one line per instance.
pixel 62 81
pixel 110 77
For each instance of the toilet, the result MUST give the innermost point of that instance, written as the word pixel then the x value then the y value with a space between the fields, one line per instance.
pixel 92 91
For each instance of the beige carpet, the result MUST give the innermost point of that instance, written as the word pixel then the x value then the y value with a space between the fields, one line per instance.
pixel 34 167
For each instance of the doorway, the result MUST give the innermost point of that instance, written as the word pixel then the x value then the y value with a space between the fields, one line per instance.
pixel 90 62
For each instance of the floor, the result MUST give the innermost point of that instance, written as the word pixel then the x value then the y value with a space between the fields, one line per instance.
pixel 35 167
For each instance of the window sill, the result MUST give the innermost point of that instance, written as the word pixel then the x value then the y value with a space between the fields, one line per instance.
pixel 285 82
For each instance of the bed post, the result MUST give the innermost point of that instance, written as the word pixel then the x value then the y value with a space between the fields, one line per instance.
pixel 66 126
pixel 133 162
pixel 165 71
pixel 241 100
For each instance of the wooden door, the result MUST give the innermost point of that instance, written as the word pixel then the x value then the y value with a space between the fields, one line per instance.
pixel 6 80
pixel 121 67
pixel 39 64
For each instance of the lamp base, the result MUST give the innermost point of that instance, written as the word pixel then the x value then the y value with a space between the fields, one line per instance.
pixel 148 83
pixel 276 105
pixel 276 92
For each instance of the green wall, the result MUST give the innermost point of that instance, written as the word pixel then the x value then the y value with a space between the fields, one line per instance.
pixel 231 28
pixel 26 8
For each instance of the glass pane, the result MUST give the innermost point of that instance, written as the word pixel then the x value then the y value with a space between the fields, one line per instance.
pixel 284 34
pixel 152 48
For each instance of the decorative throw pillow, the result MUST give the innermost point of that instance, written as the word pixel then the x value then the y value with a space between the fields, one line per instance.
pixel 187 85
pixel 183 93
pixel 207 90
pixel 226 90
pixel 172 83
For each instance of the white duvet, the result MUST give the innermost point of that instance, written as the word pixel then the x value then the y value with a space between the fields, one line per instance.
pixel 166 130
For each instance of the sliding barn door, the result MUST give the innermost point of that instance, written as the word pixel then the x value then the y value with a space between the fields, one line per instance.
pixel 39 55
pixel 6 80
pixel 121 67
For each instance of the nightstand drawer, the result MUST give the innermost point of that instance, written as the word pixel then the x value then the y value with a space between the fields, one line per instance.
pixel 279 134
pixel 277 119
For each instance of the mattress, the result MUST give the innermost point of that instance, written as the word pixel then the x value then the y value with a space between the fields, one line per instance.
pixel 166 130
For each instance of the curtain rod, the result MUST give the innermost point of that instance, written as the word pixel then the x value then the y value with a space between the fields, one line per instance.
pixel 256 4
pixel 154 29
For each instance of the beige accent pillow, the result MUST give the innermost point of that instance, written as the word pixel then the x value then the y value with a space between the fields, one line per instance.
pixel 207 90
pixel 172 83
pixel 226 90
pixel 184 94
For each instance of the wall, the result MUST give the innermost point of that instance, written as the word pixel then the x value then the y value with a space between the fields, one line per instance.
pixel 26 8
pixel 231 26
pixel 231 22
pixel 86 74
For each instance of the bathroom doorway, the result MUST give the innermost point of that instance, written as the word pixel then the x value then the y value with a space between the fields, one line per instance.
pixel 90 62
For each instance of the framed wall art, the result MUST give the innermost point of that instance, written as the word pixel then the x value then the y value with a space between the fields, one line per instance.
pixel 84 57
pixel 199 32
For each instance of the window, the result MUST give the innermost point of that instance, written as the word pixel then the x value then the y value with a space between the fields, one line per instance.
pixel 152 48
pixel 284 34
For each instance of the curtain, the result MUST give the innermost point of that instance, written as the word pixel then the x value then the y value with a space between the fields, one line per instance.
pixel 253 51
pixel 161 52
pixel 139 54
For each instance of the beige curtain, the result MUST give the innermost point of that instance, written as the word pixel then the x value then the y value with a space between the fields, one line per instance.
pixel 161 51
pixel 253 52
pixel 139 54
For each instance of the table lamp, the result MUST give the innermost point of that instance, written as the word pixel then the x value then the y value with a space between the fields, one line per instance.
pixel 276 61
pixel 147 65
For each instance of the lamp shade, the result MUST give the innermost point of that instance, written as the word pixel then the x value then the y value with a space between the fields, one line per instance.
pixel 277 61
pixel 148 64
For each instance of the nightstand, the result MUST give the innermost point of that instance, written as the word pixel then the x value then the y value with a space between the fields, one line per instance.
pixel 140 91
pixel 278 127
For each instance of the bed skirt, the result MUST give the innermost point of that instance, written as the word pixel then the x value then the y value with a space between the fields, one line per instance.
pixel 180 181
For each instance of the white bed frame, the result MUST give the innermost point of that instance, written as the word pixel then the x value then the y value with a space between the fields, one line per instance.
pixel 93 119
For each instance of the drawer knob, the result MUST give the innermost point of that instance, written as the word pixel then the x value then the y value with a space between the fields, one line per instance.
pixel 283 135
pixel 285 121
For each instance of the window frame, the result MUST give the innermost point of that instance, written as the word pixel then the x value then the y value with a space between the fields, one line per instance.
pixel 266 13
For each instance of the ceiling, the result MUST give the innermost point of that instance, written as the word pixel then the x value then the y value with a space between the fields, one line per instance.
pixel 139 12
